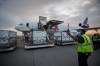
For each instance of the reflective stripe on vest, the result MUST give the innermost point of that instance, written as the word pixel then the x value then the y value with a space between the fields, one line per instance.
pixel 86 46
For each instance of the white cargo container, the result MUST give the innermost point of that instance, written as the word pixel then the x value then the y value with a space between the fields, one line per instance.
pixel 38 39
pixel 62 38
pixel 7 40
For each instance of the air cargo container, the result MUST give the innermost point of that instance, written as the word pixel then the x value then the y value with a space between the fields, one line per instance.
pixel 61 38
pixel 38 39
pixel 8 40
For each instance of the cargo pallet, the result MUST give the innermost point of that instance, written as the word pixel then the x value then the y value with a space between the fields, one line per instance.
pixel 7 49
pixel 65 43
pixel 8 40
pixel 39 46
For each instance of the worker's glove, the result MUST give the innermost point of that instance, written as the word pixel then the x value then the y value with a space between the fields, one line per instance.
pixel 88 53
pixel 68 32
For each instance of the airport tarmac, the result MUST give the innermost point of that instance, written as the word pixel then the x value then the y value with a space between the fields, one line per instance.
pixel 55 56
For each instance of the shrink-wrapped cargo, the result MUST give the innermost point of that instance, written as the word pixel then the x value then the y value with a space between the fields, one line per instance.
pixel 7 39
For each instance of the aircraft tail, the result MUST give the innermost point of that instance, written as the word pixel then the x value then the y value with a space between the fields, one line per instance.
pixel 84 25
pixel 85 21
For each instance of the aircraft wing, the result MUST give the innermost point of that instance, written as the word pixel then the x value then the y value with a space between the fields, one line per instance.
pixel 94 28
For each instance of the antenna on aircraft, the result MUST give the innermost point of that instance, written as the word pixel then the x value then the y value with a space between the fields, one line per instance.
pixel 68 26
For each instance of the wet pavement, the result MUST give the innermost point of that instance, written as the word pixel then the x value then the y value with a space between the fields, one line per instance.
pixel 55 56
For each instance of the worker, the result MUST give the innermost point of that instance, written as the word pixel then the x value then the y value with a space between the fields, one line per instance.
pixel 98 41
pixel 84 46
pixel 94 40
pixel 26 37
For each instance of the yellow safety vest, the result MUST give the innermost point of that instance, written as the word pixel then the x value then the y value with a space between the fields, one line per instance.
pixel 86 46
pixel 99 39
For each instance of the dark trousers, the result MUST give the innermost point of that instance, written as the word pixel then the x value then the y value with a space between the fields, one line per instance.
pixel 95 44
pixel 82 59
pixel 99 44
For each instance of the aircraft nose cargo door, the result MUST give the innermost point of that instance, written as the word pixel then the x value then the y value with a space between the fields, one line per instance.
pixel 38 39
pixel 7 40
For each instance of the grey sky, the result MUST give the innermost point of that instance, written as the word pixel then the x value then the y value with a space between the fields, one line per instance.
pixel 13 12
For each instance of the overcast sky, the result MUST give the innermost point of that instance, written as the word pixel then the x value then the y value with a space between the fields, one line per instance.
pixel 13 12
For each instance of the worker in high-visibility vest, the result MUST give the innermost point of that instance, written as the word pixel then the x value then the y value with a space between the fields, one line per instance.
pixel 98 41
pixel 94 40
pixel 84 47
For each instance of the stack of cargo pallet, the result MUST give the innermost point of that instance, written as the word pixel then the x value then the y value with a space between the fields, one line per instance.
pixel 7 40
pixel 62 38
pixel 38 39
